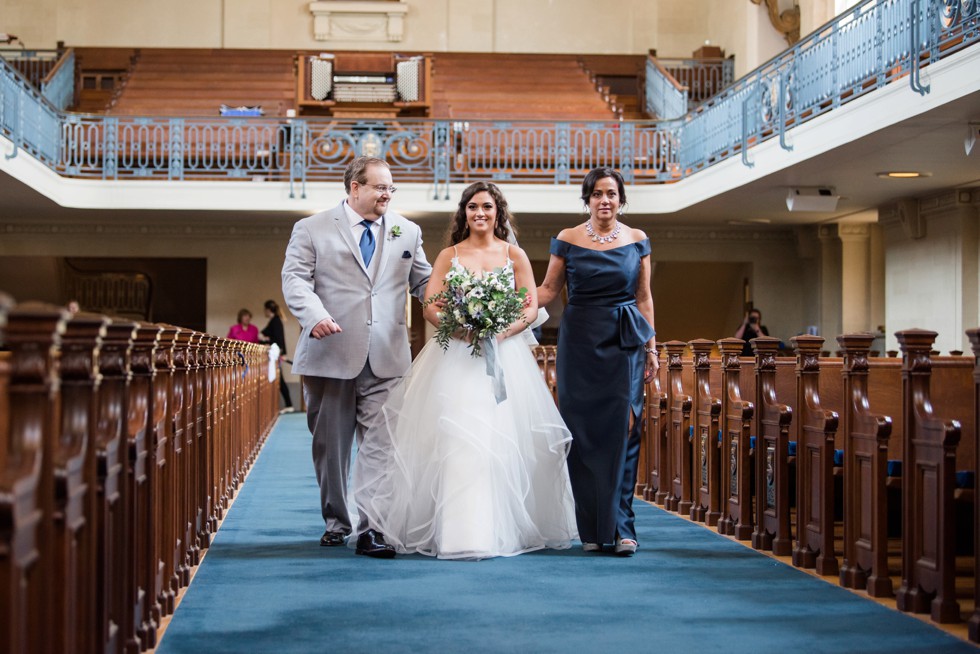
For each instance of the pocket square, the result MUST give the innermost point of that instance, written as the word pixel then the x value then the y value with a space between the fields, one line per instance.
pixel 406 255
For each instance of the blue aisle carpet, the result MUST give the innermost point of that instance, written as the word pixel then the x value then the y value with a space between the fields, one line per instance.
pixel 267 586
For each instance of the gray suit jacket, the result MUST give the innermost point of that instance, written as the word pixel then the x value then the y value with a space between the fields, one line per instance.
pixel 323 277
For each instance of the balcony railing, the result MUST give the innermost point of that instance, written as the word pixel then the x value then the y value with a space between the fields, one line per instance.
pixel 51 71
pixel 876 43
pixel 666 97
pixel 675 86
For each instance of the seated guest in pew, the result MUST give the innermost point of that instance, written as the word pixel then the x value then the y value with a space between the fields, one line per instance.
pixel 475 467
pixel 606 334
pixel 244 330
pixel 750 328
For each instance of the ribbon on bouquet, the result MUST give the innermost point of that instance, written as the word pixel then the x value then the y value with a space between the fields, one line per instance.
pixel 494 371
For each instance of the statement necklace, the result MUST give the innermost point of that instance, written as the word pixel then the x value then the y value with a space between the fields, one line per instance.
pixel 597 238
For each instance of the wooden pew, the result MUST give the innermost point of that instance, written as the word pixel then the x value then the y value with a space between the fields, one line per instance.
pixel 679 404
pixel 657 440
pixel 140 621
pixel 736 417
pixel 815 432
pixel 974 620
pixel 929 459
pixel 771 426
pixel 162 593
pixel 45 332
pixel 546 356
pixel 865 391
pixel 101 425
pixel 178 404
pixel 236 414
pixel 197 437
pixel 222 440
pixel 213 389
pixel 865 441
pixel 705 475
pixel 28 375
pixel 70 550
pixel 110 524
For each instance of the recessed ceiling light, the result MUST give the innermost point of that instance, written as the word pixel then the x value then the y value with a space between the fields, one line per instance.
pixel 903 174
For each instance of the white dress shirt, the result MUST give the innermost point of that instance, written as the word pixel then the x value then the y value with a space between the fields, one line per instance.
pixel 357 229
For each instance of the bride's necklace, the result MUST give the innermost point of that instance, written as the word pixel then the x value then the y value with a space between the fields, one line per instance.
pixel 598 238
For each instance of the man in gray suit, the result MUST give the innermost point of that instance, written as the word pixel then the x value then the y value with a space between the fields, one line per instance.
pixel 344 278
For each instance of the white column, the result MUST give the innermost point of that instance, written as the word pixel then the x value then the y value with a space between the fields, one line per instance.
pixel 877 285
pixel 969 216
pixel 855 278
pixel 830 284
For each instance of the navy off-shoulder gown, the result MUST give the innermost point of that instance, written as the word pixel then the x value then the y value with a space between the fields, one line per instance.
pixel 600 382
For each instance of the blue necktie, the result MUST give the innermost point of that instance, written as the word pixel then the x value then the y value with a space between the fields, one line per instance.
pixel 367 243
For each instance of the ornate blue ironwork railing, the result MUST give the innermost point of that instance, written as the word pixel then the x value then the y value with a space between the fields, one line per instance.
pixel 50 71
pixel 58 86
pixel 34 65
pixel 876 43
pixel 318 149
pixel 28 119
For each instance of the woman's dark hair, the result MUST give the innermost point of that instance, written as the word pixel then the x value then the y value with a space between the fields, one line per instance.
pixel 242 313
pixel 502 228
pixel 588 184
pixel 270 305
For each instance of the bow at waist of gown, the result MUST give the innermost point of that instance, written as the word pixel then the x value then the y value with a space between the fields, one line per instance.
pixel 634 330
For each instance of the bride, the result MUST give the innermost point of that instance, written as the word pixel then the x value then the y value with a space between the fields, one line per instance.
pixel 468 477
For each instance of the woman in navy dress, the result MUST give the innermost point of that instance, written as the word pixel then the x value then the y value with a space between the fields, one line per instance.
pixel 606 352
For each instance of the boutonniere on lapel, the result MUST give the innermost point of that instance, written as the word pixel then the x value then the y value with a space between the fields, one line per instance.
pixel 394 232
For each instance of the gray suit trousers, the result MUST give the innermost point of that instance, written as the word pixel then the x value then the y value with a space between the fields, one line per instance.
pixel 338 410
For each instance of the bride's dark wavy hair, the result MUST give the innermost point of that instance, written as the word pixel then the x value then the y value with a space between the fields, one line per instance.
pixel 504 226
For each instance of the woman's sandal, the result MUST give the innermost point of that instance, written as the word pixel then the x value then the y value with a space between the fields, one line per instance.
pixel 626 547
pixel 591 547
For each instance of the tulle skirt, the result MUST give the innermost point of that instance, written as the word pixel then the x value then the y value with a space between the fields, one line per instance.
pixel 466 477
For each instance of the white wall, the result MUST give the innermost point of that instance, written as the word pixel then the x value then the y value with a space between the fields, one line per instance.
pixel 932 282
pixel 815 13
pixel 673 28
pixel 743 29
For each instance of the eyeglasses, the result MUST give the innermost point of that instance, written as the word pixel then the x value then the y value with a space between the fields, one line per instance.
pixel 381 188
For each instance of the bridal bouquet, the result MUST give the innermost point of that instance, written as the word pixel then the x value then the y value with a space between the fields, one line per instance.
pixel 481 306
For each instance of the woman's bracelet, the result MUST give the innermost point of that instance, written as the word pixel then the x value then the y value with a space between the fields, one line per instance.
pixel 651 350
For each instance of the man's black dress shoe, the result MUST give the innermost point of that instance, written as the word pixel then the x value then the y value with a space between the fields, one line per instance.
pixel 331 538
pixel 372 543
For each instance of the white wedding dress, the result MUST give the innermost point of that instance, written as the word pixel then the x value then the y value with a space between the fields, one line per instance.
pixel 466 477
